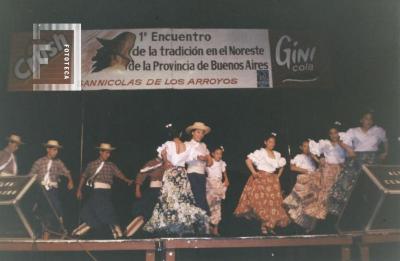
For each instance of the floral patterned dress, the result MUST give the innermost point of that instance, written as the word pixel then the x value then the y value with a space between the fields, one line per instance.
pixel 365 145
pixel 176 212
pixel 303 202
pixel 331 165
pixel 261 198
pixel 341 191
pixel 215 190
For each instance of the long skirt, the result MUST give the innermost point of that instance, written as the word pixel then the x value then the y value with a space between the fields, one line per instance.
pixel 99 210
pixel 341 190
pixel 262 199
pixel 176 212
pixel 303 202
pixel 215 194
pixel 330 173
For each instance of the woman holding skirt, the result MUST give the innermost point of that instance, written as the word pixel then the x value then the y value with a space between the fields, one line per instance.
pixel 331 154
pixel 262 197
pixel 365 140
pixel 302 203
pixel 176 212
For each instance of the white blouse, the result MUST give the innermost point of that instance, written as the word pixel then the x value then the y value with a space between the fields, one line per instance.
pixel 263 162
pixel 334 154
pixel 216 170
pixel 304 162
pixel 198 149
pixel 178 160
pixel 366 141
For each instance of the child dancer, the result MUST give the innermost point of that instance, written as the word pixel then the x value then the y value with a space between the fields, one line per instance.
pixel 302 202
pixel 217 183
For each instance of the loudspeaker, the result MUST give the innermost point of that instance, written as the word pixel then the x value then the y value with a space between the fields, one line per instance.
pixel 374 204
pixel 25 210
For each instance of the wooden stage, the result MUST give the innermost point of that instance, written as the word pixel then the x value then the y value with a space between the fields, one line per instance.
pixel 166 248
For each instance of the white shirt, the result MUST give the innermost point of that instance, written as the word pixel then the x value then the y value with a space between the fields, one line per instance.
pixel 178 160
pixel 14 164
pixel 304 162
pixel 198 149
pixel 334 154
pixel 216 170
pixel 263 162
pixel 366 141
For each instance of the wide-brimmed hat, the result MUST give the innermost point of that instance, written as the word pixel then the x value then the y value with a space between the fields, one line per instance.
pixel 198 126
pixel 15 138
pixel 52 144
pixel 105 146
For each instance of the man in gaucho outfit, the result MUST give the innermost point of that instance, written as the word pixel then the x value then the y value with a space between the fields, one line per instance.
pixel 98 210
pixel 8 161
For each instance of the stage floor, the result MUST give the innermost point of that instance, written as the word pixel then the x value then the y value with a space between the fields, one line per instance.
pixel 299 247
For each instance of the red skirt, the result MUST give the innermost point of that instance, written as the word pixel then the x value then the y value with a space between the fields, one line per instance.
pixel 262 199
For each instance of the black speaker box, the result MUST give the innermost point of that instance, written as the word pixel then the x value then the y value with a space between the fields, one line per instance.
pixel 374 204
pixel 25 210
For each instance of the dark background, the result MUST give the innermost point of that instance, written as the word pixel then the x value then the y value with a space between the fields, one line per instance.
pixel 363 37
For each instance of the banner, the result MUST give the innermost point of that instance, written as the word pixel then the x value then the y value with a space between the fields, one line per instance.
pixel 130 59
pixel 299 59
pixel 175 58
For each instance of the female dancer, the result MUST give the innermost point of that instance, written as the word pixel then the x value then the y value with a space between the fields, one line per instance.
pixel 301 202
pixel 262 197
pixel 331 154
pixel 217 183
pixel 365 141
pixel 176 212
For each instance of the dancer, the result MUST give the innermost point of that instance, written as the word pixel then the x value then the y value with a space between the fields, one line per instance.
pixel 365 141
pixel 262 197
pixel 8 160
pixel 302 202
pixel 217 183
pixel 176 212
pixel 196 168
pixel 330 154
pixel 144 206
pixel 48 170
pixel 98 210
